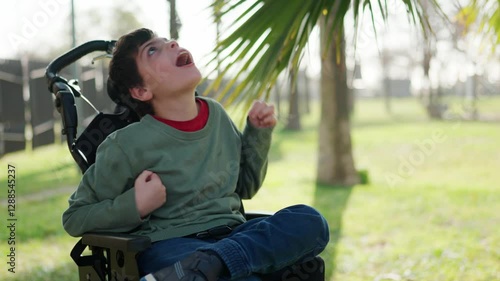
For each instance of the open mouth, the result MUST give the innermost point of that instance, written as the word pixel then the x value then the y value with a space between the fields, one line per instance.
pixel 183 59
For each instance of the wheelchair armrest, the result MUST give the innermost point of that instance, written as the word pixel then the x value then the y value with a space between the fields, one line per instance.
pixel 113 256
pixel 118 241
pixel 254 215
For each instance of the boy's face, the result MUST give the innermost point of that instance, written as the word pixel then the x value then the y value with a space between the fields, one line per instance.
pixel 166 69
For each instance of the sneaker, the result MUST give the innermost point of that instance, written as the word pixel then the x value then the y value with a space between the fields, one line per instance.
pixel 198 266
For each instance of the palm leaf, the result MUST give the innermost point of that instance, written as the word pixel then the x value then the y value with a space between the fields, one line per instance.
pixel 271 36
pixel 486 14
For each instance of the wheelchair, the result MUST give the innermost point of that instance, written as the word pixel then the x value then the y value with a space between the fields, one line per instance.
pixel 112 256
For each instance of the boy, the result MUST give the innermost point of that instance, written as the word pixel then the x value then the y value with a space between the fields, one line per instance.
pixel 177 176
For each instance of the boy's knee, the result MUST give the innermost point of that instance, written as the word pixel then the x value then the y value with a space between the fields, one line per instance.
pixel 308 212
pixel 311 220
pixel 305 209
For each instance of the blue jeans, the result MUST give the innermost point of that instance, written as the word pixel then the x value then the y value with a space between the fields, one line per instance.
pixel 259 246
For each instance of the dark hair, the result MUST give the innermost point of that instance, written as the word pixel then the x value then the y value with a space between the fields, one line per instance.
pixel 123 71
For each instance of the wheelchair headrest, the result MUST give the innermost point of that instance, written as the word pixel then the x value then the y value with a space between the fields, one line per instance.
pixel 113 92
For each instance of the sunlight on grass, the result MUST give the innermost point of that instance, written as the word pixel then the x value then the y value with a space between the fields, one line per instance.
pixel 44 259
pixel 45 168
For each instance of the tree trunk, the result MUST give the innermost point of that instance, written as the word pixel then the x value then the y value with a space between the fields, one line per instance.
pixel 277 98
pixel 293 121
pixel 387 96
pixel 435 108
pixel 174 22
pixel 386 83
pixel 475 98
pixel 335 162
pixel 307 93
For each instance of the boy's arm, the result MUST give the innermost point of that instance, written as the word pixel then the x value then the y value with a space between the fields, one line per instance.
pixel 256 141
pixel 105 199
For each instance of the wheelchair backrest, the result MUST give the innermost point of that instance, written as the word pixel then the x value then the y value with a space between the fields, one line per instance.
pixel 100 128
pixel 83 147
pixel 96 132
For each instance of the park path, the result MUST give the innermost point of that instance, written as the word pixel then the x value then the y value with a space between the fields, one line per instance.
pixel 41 195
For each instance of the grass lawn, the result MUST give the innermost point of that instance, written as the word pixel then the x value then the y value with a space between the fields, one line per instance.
pixel 44 169
pixel 431 209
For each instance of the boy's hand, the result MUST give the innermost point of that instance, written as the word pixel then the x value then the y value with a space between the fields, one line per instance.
pixel 261 115
pixel 150 193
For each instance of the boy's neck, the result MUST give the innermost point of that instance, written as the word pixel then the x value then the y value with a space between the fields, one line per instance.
pixel 178 108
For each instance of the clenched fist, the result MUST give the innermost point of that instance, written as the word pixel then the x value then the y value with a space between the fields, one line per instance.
pixel 150 193
pixel 261 115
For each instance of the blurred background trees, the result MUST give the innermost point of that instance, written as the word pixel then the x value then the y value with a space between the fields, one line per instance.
pixel 440 52
pixel 271 36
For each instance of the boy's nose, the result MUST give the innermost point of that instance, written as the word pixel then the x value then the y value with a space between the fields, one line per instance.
pixel 173 44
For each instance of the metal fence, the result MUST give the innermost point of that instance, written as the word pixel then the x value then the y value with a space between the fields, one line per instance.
pixel 27 112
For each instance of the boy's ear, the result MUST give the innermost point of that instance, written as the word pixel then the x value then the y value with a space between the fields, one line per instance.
pixel 141 93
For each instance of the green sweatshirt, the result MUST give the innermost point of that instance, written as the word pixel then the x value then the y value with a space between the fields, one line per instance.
pixel 205 173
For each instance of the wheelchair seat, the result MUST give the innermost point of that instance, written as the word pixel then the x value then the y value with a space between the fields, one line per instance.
pixel 113 256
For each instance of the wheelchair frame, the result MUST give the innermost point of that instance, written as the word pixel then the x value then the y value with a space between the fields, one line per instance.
pixel 113 256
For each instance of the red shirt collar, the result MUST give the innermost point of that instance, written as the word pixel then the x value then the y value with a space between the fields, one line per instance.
pixel 192 125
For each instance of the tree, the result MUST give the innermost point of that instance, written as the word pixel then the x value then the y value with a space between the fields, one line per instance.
pixel 175 22
pixel 480 19
pixel 269 36
pixel 293 120
pixel 435 108
pixel 335 162
pixel 485 14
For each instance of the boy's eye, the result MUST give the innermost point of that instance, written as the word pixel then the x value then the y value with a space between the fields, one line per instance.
pixel 151 50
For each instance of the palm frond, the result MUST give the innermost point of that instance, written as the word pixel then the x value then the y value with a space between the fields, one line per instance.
pixel 486 14
pixel 271 35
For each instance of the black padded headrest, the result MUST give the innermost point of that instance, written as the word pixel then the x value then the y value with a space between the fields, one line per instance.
pixel 113 92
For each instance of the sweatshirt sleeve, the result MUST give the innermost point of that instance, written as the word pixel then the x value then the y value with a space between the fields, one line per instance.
pixel 254 158
pixel 105 199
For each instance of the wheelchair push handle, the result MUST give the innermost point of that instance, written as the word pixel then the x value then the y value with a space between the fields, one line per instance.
pixel 65 93
pixel 51 73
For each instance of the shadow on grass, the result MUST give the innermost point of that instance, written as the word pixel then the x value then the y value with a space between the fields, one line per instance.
pixel 331 201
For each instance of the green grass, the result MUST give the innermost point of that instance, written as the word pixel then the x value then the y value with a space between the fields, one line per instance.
pixel 430 212
pixel 42 245
pixel 43 169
